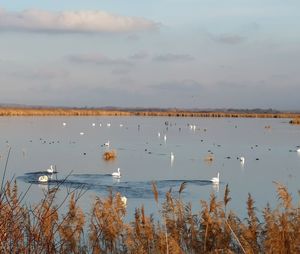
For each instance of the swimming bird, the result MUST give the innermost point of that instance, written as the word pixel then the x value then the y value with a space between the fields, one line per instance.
pixel 81 133
pixel 158 134
pixel 165 137
pixel 117 174
pixel 43 179
pixel 50 170
pixel 64 124
pixel 298 150
pixel 106 143
pixel 108 125
pixel 172 156
pixel 242 160
pixel 216 180
pixel 124 201
pixel 93 124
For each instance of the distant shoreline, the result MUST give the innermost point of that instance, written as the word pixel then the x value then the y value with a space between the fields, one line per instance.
pixel 53 111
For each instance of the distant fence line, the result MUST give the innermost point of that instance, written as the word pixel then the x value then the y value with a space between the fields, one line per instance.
pixel 101 112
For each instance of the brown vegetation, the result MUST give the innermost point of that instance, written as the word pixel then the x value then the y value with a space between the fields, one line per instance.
pixel 42 229
pixel 55 111
pixel 295 121
pixel 110 155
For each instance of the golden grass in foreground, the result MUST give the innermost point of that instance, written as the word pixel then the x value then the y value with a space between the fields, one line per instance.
pixel 42 229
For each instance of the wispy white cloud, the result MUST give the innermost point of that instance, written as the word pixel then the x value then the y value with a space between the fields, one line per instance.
pixel 34 20
pixel 173 58
pixel 99 59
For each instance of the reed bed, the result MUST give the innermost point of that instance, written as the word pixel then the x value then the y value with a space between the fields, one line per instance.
pixel 110 155
pixel 43 229
pixel 295 121
pixel 57 111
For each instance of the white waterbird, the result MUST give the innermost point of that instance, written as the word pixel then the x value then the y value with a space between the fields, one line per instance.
pixel 117 174
pixel 242 160
pixel 216 180
pixel 43 179
pixel 50 170
pixel 124 200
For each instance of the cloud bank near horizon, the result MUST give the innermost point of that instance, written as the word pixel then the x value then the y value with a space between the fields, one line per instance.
pixel 34 20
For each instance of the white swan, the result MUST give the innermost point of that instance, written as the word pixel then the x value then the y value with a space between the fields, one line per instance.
pixel 298 150
pixel 43 179
pixel 172 156
pixel 117 174
pixel 216 180
pixel 242 160
pixel 93 124
pixel 165 137
pixel 158 134
pixel 81 133
pixel 106 143
pixel 50 170
pixel 124 201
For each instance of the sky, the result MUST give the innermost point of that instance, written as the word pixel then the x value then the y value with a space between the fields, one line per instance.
pixel 158 53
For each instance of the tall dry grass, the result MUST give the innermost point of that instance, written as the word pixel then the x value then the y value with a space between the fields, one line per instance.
pixel 213 229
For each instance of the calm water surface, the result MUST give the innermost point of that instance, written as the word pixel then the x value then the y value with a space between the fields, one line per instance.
pixel 270 155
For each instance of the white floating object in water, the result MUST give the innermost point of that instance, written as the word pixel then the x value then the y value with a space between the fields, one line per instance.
pixel 124 200
pixel 108 125
pixel 117 174
pixel 194 127
pixel 50 170
pixel 158 134
pixel 64 124
pixel 121 125
pixel 165 137
pixel 298 150
pixel 216 180
pixel 106 143
pixel 81 133
pixel 93 124
pixel 43 179
pixel 100 124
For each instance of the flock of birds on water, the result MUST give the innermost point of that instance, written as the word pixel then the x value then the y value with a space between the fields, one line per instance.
pixel 45 178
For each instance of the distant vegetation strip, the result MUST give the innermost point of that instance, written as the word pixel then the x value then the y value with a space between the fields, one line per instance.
pixel 12 111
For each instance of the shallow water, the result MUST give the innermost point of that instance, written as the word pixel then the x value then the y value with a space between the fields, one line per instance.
pixel 270 155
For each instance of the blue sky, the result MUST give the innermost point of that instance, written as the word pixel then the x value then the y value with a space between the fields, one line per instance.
pixel 167 53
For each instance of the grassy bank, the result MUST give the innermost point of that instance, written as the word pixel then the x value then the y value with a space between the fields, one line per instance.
pixel 11 111
pixel 43 229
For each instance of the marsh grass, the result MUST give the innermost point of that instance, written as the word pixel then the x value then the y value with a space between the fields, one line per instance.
pixel 110 155
pixel 295 120
pixel 43 229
